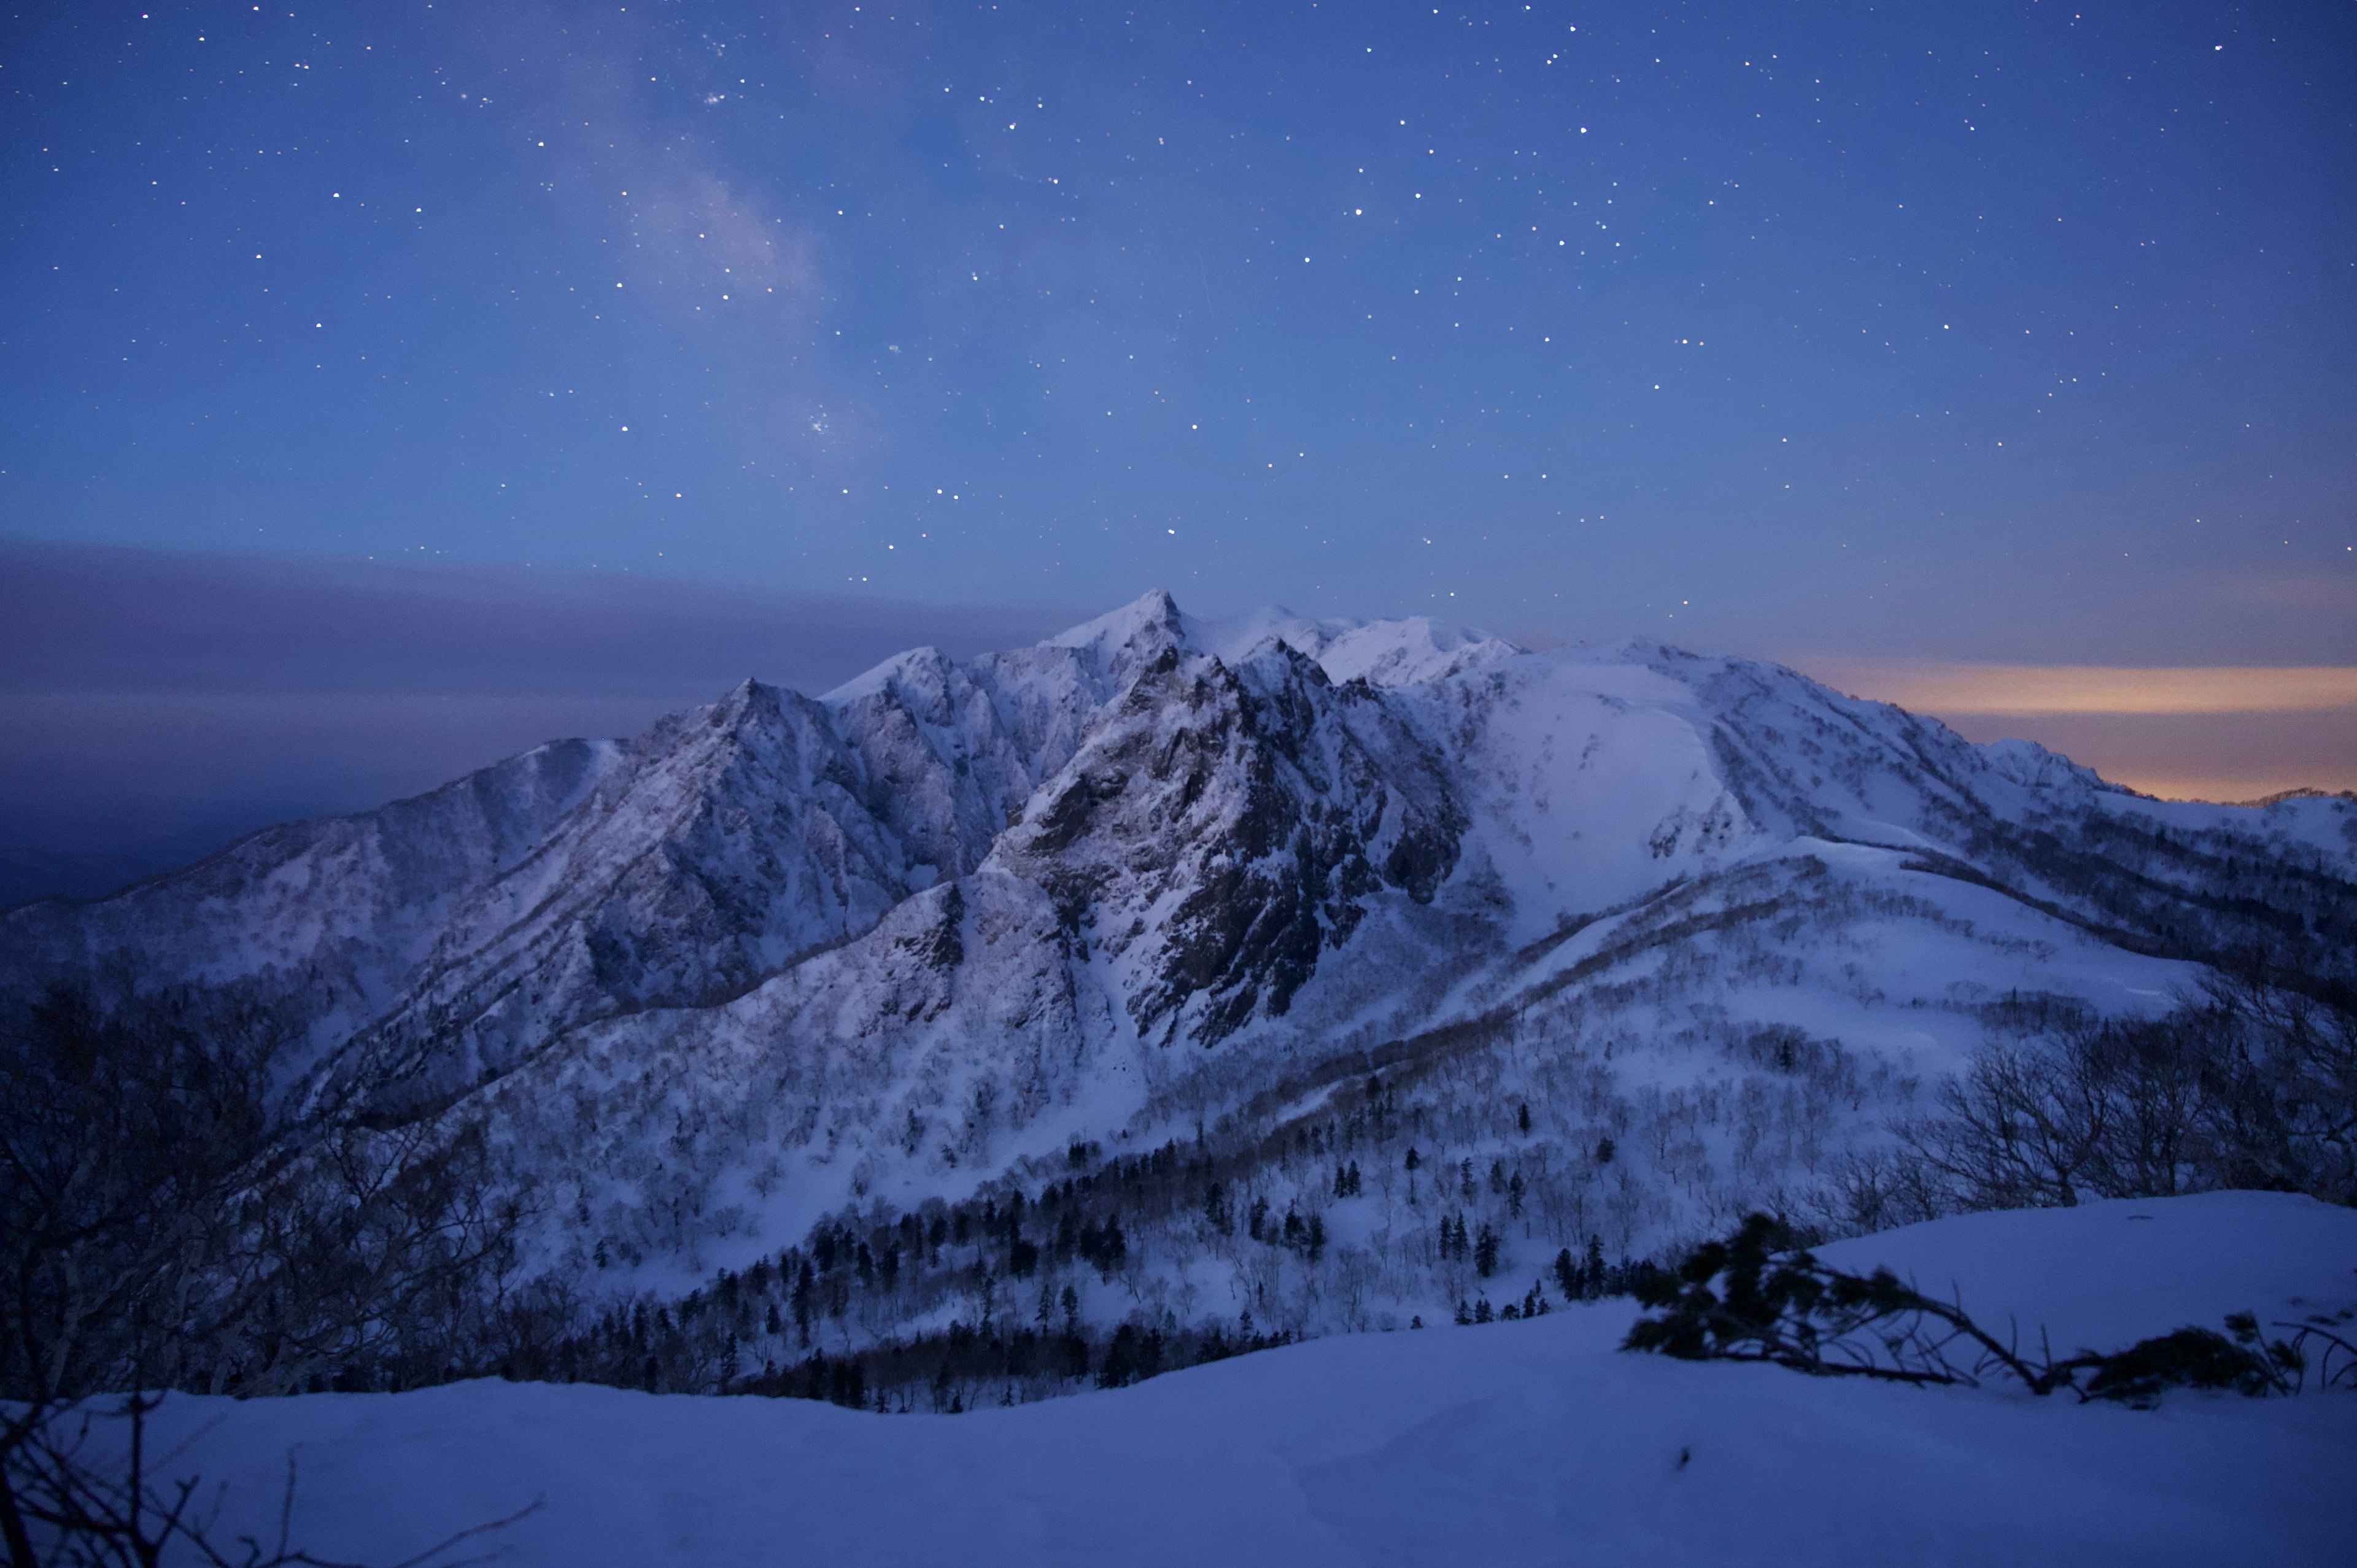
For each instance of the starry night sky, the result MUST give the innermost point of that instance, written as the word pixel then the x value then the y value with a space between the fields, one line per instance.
pixel 2009 332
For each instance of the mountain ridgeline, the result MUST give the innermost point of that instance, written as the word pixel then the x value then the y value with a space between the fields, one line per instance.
pixel 1223 980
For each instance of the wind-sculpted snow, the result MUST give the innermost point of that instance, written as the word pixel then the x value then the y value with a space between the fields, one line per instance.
pixel 1158 878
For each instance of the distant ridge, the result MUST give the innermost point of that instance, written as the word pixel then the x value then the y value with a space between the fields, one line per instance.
pixel 2302 793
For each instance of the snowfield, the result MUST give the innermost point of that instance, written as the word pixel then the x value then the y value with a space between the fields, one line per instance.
pixel 1530 1442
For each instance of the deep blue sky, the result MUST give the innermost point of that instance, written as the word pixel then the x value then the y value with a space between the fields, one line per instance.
pixel 2020 333
pixel 1832 322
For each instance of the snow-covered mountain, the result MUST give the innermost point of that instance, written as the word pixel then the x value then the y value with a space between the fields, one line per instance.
pixel 1155 880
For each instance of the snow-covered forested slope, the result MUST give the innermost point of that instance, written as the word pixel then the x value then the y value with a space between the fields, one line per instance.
pixel 1304 951
pixel 1527 1442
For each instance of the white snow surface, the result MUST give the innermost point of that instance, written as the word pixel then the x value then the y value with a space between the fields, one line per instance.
pixel 782 954
pixel 1381 653
pixel 1532 1442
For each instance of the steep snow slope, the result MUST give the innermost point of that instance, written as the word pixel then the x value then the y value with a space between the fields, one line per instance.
pixel 1532 1442
pixel 440 940
pixel 747 837
pixel 1160 879
pixel 328 918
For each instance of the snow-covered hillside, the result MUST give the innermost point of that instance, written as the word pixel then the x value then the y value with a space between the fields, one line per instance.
pixel 1526 1442
pixel 1612 941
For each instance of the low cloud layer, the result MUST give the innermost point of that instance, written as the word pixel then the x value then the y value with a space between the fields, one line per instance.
pixel 2030 689
pixel 154 705
pixel 75 618
pixel 2212 733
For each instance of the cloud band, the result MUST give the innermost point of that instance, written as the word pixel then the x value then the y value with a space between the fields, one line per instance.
pixel 2046 688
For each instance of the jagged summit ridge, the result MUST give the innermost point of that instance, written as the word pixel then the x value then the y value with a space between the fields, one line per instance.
pixel 784 951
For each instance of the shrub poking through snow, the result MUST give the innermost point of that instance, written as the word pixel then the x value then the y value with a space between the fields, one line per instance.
pixel 1759 1296
pixel 2248 1362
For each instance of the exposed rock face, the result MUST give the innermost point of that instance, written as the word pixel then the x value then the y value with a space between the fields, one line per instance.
pixel 783 951
pixel 1227 825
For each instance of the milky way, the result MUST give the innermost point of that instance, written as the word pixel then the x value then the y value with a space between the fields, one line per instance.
pixel 1682 321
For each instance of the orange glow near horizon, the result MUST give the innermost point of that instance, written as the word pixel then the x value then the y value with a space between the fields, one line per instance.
pixel 2030 690
pixel 2227 733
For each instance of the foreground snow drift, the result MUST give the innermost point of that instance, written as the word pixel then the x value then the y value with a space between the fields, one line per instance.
pixel 1530 1442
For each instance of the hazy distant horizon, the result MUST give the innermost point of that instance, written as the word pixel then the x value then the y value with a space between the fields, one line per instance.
pixel 158 704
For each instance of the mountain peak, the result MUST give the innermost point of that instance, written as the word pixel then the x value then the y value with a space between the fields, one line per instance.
pixel 749 699
pixel 1116 643
pixel 1152 611
pixel 1419 648
pixel 925 659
